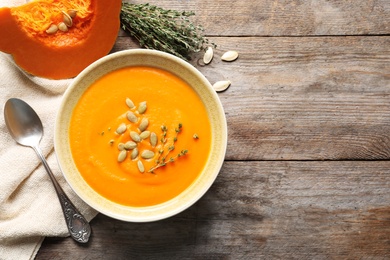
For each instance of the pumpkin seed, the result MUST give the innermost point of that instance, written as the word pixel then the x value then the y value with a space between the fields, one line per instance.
pixel 132 117
pixel 72 13
pixel 208 56
pixel 121 146
pixel 134 153
pixel 62 27
pixel 135 136
pixel 144 124
pixel 129 103
pixel 121 128
pixel 52 29
pixel 229 56
pixel 147 154
pixel 153 139
pixel 141 167
pixel 67 19
pixel 144 134
pixel 142 107
pixel 220 86
pixel 122 156
pixel 130 145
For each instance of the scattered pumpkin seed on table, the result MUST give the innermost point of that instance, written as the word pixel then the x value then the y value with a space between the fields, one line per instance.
pixel 208 56
pixel 229 56
pixel 222 85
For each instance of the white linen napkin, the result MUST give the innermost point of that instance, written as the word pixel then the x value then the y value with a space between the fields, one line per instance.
pixel 29 207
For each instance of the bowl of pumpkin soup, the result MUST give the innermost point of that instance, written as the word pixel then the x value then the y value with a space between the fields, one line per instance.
pixel 140 135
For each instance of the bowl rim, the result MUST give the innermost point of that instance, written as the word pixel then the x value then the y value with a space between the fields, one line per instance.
pixel 151 213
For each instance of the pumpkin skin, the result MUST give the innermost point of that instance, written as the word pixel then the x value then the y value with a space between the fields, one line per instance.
pixel 62 54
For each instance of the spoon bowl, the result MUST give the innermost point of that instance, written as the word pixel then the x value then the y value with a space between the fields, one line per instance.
pixel 22 122
pixel 26 128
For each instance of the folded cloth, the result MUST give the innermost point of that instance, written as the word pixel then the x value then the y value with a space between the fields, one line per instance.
pixel 29 207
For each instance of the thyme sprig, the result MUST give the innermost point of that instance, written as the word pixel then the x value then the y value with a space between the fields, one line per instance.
pixel 156 28
pixel 162 157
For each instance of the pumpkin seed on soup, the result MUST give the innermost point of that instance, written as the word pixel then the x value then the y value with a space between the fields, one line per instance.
pixel 147 154
pixel 132 117
pixel 135 136
pixel 144 124
pixel 130 103
pixel 130 145
pixel 121 128
pixel 153 139
pixel 121 146
pixel 141 167
pixel 134 153
pixel 122 156
pixel 142 107
pixel 144 134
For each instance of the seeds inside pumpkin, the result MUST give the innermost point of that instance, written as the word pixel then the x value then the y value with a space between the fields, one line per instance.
pixel 62 27
pixel 72 13
pixel 52 29
pixel 67 19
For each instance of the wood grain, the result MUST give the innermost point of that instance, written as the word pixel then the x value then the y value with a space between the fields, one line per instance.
pixel 304 98
pixel 286 17
pixel 307 170
pixel 258 210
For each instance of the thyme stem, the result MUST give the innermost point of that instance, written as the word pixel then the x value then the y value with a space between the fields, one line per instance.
pixel 165 30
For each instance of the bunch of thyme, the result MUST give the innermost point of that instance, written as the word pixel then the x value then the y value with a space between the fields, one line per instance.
pixel 165 30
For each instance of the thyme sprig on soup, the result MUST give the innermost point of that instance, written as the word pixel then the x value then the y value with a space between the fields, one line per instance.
pixel 154 119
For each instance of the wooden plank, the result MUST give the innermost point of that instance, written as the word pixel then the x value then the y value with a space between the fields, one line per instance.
pixel 282 210
pixel 286 18
pixel 303 98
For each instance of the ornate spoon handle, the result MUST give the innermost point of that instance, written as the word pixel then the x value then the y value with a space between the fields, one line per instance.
pixel 78 226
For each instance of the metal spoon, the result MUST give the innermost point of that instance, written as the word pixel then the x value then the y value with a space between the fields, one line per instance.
pixel 26 128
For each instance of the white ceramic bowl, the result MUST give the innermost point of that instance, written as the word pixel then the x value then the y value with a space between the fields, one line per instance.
pixel 170 63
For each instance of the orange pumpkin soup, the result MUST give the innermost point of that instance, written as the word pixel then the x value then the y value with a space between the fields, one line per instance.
pixel 105 154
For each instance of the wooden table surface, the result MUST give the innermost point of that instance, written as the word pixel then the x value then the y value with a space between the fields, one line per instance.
pixel 307 169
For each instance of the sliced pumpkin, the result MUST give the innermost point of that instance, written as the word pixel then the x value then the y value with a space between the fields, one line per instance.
pixel 26 32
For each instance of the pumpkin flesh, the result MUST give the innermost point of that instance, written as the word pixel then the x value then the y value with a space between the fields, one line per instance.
pixel 61 54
